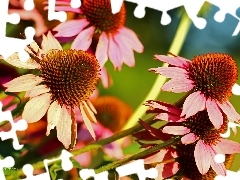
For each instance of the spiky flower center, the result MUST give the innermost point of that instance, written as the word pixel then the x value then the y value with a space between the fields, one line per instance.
pixel 99 14
pixel 71 75
pixel 214 74
pixel 202 127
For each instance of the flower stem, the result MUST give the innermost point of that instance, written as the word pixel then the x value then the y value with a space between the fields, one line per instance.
pixel 175 48
pixel 137 156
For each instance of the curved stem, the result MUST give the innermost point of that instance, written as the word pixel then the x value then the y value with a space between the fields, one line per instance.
pixel 175 48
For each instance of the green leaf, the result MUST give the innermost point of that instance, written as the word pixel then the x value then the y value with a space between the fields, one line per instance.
pixel 54 169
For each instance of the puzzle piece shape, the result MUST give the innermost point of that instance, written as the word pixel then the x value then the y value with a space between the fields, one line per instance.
pixel 7 162
pixel 66 166
pixel 137 167
pixel 87 173
pixel 20 125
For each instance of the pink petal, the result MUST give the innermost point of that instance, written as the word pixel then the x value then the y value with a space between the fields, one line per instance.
pixel 167 170
pixel 126 50
pixel 131 38
pixel 202 157
pixel 53 116
pixel 176 130
pixel 163 154
pixel 83 39
pixel 66 9
pixel 189 138
pixel 228 147
pixel 87 122
pixel 70 28
pixel 171 72
pixel 114 53
pixel 36 108
pixel 23 83
pixel 169 117
pixel 102 48
pixel 50 43
pixel 37 90
pixel 214 113
pixel 229 110
pixel 64 130
pixel 15 61
pixel 178 85
pixel 219 168
pixel 106 78
pixel 175 61
pixel 194 102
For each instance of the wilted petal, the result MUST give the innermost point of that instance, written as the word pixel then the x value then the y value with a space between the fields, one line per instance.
pixel 176 130
pixel 169 117
pixel 214 113
pixel 178 85
pixel 202 157
pixel 70 28
pixel 50 43
pixel 64 131
pixel 164 106
pixel 23 83
pixel 175 61
pixel 87 121
pixel 102 49
pixel 15 61
pixel 230 111
pixel 167 170
pixel 189 138
pixel 53 116
pixel 194 102
pixel 36 107
pixel 131 38
pixel 162 155
pixel 83 39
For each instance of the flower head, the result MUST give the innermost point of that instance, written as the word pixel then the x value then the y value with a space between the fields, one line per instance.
pixel 197 130
pixel 96 20
pixel 66 80
pixel 210 79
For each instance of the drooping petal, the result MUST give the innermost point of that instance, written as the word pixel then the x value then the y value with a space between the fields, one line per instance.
pixel 229 110
pixel 102 49
pixel 90 105
pixel 194 102
pixel 83 39
pixel 36 107
pixel 37 90
pixel 228 147
pixel 178 85
pixel 219 168
pixel 23 83
pixel 176 130
pixel 105 78
pixel 53 116
pixel 50 42
pixel 169 117
pixel 131 38
pixel 214 113
pixel 63 126
pixel 167 170
pixel 89 112
pixel 189 138
pixel 175 61
pixel 171 72
pixel 202 157
pixel 87 122
pixel 70 28
pixel 15 61
pixel 114 53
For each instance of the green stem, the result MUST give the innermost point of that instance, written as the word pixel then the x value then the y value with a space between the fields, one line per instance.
pixel 175 48
pixel 137 156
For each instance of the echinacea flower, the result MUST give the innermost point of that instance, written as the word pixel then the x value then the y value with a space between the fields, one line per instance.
pixel 115 41
pixel 66 80
pixel 209 77
pixel 180 162
pixel 197 130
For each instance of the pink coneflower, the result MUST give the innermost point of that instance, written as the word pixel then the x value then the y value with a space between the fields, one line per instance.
pixel 115 41
pixel 199 130
pixel 210 77
pixel 66 80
